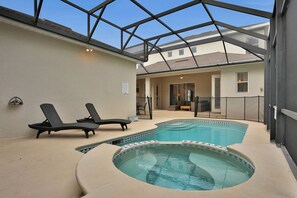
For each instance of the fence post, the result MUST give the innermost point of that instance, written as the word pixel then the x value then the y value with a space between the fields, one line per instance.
pixel 244 108
pixel 149 101
pixel 226 117
pixel 210 106
pixel 196 106
pixel 258 108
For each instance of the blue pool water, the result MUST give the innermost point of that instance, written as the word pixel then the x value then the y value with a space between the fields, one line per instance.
pixel 182 167
pixel 221 133
pixel 178 166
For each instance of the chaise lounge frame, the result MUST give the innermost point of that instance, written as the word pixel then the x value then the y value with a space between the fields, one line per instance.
pixel 54 123
pixel 95 118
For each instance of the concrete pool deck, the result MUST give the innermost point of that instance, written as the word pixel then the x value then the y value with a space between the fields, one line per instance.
pixel 46 167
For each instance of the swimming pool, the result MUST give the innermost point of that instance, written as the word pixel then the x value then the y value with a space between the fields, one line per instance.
pixel 183 166
pixel 223 133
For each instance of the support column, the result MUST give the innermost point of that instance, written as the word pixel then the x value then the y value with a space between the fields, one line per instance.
pixel 266 85
pixel 280 72
pixel 147 87
pixel 272 81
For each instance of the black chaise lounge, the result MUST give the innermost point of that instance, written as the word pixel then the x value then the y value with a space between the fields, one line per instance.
pixel 53 122
pixel 95 118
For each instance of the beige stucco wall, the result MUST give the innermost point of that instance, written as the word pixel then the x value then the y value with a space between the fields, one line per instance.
pixel 249 105
pixel 40 68
pixel 202 83
pixel 255 80
pixel 211 47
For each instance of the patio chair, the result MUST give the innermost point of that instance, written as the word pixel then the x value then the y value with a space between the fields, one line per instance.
pixel 54 123
pixel 95 118
pixel 141 108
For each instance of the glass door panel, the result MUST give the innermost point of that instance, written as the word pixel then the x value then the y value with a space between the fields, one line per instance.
pixel 182 94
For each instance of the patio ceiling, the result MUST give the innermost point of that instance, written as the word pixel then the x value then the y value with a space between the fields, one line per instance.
pixel 139 28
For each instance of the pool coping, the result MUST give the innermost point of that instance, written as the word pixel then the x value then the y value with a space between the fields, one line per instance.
pixel 244 162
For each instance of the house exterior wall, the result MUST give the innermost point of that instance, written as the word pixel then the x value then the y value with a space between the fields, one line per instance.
pixel 255 80
pixel 251 106
pixel 238 106
pixel 243 38
pixel 212 47
pixel 41 67
pixel 201 49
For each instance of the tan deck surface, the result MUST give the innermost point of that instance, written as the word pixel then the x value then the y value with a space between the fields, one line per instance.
pixel 46 167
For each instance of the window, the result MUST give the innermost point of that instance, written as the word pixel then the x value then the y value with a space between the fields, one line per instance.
pixel 242 82
pixel 169 54
pixel 194 50
pixel 252 41
pixel 181 52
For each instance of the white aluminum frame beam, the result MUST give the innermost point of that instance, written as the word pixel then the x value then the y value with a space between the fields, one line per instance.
pixel 237 8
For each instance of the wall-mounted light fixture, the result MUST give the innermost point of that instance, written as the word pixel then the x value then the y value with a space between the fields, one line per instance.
pixel 15 101
pixel 88 49
pixel 181 77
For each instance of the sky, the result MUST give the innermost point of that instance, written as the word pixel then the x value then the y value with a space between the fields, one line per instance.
pixel 124 12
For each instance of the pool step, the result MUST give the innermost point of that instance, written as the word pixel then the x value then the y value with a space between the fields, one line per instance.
pixel 180 174
pixel 179 126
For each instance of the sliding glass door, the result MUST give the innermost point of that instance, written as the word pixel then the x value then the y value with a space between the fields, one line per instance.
pixel 216 93
pixel 182 94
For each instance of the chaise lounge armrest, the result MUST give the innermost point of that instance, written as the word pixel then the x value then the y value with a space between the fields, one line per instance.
pixel 89 120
